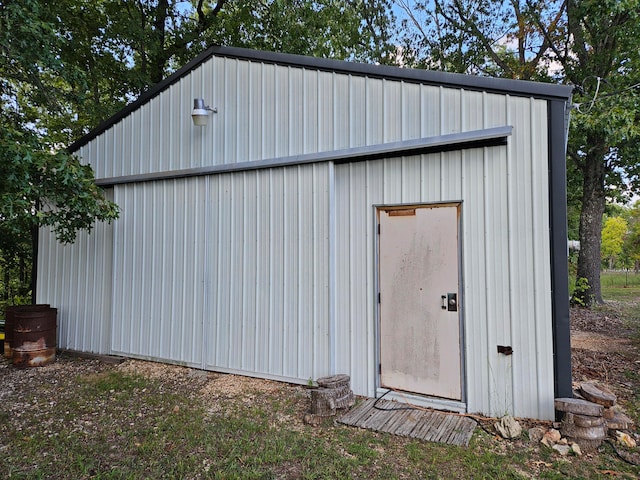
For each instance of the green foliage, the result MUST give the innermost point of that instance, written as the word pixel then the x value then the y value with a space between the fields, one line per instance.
pixel 44 188
pixel 613 234
pixel 359 30
pixel 581 290
pixel 40 184
pixel 631 246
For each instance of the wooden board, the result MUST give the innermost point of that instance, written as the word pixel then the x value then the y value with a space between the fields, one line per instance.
pixel 433 426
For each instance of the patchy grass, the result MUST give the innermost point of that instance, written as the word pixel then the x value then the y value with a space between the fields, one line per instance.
pixel 622 298
pixel 80 419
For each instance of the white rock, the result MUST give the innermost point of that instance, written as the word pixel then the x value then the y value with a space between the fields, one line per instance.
pixel 562 449
pixel 625 439
pixel 575 448
pixel 508 427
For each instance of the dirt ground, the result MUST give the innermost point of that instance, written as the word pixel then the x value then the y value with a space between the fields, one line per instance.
pixel 602 351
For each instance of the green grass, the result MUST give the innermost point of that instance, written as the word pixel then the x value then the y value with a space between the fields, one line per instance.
pixel 620 285
pixel 615 285
pixel 113 425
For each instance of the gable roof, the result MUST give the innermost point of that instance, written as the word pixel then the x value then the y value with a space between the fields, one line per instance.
pixel 469 82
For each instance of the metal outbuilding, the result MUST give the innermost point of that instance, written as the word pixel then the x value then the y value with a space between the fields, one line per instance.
pixel 405 227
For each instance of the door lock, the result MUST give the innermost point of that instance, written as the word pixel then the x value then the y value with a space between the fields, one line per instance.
pixel 452 302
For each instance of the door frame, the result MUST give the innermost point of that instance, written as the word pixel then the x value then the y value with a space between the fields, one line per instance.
pixel 418 399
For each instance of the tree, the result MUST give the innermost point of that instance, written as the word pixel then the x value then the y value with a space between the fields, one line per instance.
pixel 631 246
pixel 40 184
pixel 354 30
pixel 591 44
pixel 613 235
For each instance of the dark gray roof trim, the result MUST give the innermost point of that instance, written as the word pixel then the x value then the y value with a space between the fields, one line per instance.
pixel 455 141
pixel 456 80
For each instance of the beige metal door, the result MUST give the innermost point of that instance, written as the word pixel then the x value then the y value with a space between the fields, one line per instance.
pixel 419 311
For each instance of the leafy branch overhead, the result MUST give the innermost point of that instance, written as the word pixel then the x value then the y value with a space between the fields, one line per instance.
pixel 44 188
pixel 41 184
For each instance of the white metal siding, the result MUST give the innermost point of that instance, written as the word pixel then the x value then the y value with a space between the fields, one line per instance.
pixel 76 279
pixel 269 111
pixel 158 270
pixel 506 273
pixel 226 272
pixel 268 263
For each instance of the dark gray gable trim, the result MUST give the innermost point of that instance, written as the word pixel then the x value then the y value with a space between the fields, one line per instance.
pixel 455 141
pixel 469 82
pixel 429 77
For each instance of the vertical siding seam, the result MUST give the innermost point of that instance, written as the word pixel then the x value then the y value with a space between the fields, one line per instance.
pixel 334 113
pixel 285 269
pixel 314 282
pixel 206 276
pixel 351 273
pixel 373 311
pixel 299 261
pixel 515 384
pixel 174 238
pixel 332 270
pixel 218 360
pixel 258 224
pixel 231 293
pixel 238 127
pixel 534 252
pixel 242 314
pixel 305 111
pixel 384 109
pixel 271 275
pixel 159 315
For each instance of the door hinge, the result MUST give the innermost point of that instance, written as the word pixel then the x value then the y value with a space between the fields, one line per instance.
pixel 378 297
pixel 378 229
pixel 379 369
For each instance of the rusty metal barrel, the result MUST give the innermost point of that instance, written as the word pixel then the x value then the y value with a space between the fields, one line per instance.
pixel 9 322
pixel 34 336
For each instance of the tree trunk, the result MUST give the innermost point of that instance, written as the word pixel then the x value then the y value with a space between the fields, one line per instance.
pixel 157 53
pixel 593 203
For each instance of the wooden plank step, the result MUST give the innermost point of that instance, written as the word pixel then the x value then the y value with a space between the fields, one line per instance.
pixel 397 419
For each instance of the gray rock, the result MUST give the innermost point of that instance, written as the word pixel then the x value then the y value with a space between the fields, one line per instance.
pixel 508 427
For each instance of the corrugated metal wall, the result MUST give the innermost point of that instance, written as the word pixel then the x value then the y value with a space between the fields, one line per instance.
pixel 234 271
pixel 226 272
pixel 506 274
pixel 76 279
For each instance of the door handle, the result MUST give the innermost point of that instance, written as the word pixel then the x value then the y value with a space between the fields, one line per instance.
pixel 444 302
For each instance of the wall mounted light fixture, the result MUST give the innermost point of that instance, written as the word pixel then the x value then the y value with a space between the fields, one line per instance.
pixel 200 113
